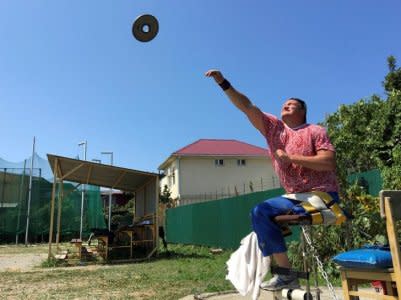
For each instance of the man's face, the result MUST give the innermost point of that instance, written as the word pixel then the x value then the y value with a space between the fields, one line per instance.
pixel 292 109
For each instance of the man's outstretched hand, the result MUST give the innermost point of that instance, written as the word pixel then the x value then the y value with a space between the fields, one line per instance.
pixel 216 74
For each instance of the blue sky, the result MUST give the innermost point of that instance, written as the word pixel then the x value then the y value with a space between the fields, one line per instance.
pixel 72 71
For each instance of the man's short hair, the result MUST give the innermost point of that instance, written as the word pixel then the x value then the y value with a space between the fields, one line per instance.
pixel 302 103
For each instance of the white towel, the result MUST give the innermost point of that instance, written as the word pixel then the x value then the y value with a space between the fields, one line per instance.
pixel 247 267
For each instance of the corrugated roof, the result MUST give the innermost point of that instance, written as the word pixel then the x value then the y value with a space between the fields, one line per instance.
pixel 86 172
pixel 221 147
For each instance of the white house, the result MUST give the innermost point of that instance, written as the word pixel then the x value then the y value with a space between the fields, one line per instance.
pixel 213 169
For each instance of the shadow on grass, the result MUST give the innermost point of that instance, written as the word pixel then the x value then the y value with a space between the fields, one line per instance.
pixel 173 254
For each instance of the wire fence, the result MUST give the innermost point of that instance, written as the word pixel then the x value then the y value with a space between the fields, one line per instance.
pixel 14 183
pixel 251 186
pixel 20 171
pixel 24 207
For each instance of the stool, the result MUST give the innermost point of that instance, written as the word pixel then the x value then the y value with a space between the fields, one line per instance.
pixel 284 221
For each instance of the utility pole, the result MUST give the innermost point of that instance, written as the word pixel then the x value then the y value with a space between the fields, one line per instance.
pixel 85 144
pixel 111 189
pixel 29 194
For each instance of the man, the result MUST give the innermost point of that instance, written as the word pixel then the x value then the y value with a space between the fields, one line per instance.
pixel 304 160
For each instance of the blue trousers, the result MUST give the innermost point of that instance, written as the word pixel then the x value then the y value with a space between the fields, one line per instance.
pixel 270 238
pixel 269 235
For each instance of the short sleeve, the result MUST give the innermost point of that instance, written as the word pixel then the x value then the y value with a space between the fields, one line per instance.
pixel 322 140
pixel 270 123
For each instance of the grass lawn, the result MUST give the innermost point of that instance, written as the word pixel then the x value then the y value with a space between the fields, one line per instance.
pixel 186 270
pixel 183 271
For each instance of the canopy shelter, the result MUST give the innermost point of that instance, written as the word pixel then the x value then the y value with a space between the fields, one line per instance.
pixel 144 185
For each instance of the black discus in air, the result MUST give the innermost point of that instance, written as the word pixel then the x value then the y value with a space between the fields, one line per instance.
pixel 145 28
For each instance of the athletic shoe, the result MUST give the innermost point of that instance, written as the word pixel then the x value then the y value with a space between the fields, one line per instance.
pixel 279 282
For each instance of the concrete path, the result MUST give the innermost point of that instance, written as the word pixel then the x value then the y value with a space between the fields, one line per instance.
pixel 265 295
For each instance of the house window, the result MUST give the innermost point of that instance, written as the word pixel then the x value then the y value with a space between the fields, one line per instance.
pixel 219 162
pixel 171 176
pixel 241 162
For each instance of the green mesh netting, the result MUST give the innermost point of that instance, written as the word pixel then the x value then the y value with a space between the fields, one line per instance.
pixel 14 191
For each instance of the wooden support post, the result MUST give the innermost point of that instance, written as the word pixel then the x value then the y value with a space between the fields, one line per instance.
pixel 52 210
pixel 156 218
pixel 345 285
pixel 60 200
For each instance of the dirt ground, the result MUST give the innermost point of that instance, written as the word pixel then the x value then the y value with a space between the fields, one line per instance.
pixel 20 262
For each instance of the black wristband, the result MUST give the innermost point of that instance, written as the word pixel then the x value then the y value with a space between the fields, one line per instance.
pixel 225 85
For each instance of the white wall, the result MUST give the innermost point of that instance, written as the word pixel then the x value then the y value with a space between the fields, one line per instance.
pixel 201 175
pixel 198 178
pixel 171 172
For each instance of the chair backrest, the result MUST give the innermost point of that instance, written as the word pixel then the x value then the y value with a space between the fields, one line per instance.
pixel 395 203
pixel 390 205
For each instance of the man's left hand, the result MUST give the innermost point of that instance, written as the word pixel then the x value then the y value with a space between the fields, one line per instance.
pixel 282 156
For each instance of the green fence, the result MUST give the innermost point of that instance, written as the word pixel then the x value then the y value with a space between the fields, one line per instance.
pixel 370 180
pixel 221 223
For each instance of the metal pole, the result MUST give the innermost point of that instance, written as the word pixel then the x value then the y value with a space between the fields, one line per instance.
pixel 306 265
pixel 20 195
pixel 110 197
pixel 111 189
pixel 314 267
pixel 3 188
pixel 30 194
pixel 85 143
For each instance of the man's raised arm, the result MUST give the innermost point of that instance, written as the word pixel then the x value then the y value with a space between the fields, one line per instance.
pixel 254 114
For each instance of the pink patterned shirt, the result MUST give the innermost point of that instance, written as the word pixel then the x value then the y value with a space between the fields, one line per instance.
pixel 305 140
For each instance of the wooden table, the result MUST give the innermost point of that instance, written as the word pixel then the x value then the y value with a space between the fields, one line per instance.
pixel 137 235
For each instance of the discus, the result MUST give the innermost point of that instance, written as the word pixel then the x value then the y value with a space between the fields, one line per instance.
pixel 145 28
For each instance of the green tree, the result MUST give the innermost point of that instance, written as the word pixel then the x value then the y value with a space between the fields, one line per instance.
pixel 165 196
pixel 367 134
pixel 122 215
pixel 356 130
pixel 392 81
pixel 389 152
